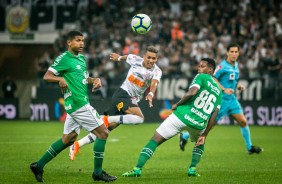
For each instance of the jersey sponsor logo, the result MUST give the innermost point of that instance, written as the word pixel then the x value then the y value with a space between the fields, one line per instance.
pixel 58 59
pixel 68 107
pixel 214 88
pixel 136 81
pixel 85 80
pixel 67 94
pixel 78 67
pixel 119 106
pixel 200 114
pixel 193 121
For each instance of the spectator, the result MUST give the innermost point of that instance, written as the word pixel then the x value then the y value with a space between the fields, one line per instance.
pixel 206 25
pixel 9 87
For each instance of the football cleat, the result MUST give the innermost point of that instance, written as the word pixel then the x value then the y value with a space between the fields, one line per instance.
pixel 135 172
pixel 74 149
pixel 37 172
pixel 192 172
pixel 255 149
pixel 103 177
pixel 182 142
pixel 106 121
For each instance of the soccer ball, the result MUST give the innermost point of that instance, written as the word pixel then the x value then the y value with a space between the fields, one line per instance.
pixel 141 23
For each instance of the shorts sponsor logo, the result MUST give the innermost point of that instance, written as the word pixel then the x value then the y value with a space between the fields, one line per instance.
pixel 68 107
pixel 120 106
pixel 134 100
pixel 67 94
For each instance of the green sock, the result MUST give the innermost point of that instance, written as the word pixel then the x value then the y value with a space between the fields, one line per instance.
pixel 197 155
pixel 51 153
pixel 146 153
pixel 98 148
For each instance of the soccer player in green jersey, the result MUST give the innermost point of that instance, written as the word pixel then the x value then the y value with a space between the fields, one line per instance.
pixel 70 71
pixel 196 112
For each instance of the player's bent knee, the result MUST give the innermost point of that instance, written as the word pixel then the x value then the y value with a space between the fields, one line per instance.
pixel 140 120
pixel 243 124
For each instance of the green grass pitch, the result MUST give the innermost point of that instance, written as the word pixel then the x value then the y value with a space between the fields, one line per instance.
pixel 224 161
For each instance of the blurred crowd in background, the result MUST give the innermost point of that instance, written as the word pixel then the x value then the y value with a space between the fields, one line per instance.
pixel 184 32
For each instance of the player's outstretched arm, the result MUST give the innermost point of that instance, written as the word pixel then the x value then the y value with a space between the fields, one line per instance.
pixel 210 125
pixel 116 57
pixel 150 95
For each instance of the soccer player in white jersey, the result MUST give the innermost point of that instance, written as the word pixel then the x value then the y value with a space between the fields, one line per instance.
pixel 124 108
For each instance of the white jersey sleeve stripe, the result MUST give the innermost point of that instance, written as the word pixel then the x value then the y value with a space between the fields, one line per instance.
pixel 54 71
pixel 195 85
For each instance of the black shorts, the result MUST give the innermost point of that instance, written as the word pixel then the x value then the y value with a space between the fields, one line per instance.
pixel 121 101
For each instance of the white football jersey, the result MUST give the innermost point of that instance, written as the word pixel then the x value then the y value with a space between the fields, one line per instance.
pixel 139 78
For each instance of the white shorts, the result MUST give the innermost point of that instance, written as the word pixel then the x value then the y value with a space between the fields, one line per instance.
pixel 86 117
pixel 172 126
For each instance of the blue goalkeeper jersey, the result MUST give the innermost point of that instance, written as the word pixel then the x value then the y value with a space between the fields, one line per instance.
pixel 228 76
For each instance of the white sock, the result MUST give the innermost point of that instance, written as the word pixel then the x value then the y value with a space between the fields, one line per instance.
pixel 114 119
pixel 130 119
pixel 87 139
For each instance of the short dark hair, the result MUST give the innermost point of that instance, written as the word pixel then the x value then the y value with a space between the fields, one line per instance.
pixel 152 49
pixel 72 34
pixel 211 62
pixel 233 45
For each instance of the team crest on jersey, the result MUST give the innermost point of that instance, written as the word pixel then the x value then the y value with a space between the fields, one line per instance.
pixel 147 76
pixel 119 106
